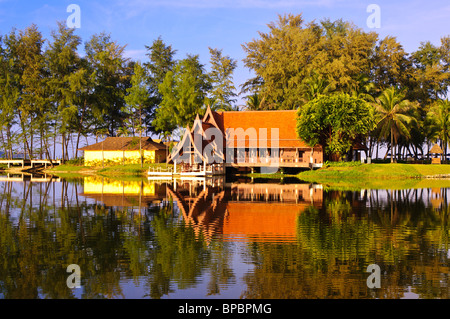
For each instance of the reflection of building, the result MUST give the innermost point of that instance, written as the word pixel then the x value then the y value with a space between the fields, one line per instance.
pixel 124 149
pixel 436 199
pixel 244 211
pixel 123 193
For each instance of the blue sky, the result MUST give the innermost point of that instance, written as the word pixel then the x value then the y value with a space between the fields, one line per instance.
pixel 191 26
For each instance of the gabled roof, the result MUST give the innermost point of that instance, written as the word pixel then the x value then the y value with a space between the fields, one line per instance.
pixel 188 139
pixel 124 144
pixel 212 118
pixel 285 121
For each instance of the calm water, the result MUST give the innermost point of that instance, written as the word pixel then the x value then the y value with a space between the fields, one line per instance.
pixel 217 239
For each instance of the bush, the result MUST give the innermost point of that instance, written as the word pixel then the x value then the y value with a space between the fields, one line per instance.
pixel 76 161
pixel 342 164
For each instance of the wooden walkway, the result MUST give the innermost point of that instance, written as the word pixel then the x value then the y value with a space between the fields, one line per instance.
pixel 30 163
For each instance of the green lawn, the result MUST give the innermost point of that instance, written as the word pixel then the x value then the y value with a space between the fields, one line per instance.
pixel 386 171
pixel 112 170
pixel 398 176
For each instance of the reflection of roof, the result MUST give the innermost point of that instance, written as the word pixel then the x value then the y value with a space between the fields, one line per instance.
pixel 124 143
pixel 263 221
pixel 114 200
pixel 285 121
pixel 436 149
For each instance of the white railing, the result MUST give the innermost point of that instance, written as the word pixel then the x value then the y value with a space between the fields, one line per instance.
pixel 159 169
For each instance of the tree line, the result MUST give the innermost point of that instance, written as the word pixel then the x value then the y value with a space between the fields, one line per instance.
pixel 51 95
pixel 304 65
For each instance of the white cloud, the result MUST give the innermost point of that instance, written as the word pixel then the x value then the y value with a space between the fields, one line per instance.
pixel 135 54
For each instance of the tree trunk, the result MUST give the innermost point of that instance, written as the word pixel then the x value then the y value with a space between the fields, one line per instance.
pixel 103 156
pixel 392 145
pixel 80 127
pixel 4 144
pixel 140 137
pixel 8 137
pixel 63 139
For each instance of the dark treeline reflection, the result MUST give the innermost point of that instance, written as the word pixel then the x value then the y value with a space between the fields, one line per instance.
pixel 405 232
pixel 46 226
pixel 41 233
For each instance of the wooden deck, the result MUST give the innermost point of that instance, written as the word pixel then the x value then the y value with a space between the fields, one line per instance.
pixel 188 171
pixel 30 163
pixel 278 164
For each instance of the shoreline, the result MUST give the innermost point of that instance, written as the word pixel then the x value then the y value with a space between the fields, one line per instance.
pixel 343 175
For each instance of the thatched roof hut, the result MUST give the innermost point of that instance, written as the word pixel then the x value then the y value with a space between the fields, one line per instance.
pixel 436 149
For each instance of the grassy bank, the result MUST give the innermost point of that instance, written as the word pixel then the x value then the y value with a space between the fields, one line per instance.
pixel 399 176
pixel 113 170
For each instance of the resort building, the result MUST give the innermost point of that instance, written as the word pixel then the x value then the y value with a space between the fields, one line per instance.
pixel 245 139
pixel 124 150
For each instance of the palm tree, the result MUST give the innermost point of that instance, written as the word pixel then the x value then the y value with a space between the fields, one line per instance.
pixel 123 131
pixel 140 129
pixel 439 115
pixel 363 88
pixel 316 85
pixel 254 102
pixel 392 108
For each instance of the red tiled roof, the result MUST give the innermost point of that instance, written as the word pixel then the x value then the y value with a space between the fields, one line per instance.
pixel 124 143
pixel 285 121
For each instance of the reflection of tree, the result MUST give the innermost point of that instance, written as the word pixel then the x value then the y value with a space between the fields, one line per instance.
pixel 406 238
pixel 43 229
pixel 177 254
pixel 221 273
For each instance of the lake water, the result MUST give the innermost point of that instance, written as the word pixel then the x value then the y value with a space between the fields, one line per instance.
pixel 220 239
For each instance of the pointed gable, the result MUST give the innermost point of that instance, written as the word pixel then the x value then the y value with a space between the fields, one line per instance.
pixel 186 143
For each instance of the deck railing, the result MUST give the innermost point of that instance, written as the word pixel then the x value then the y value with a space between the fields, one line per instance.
pixel 282 159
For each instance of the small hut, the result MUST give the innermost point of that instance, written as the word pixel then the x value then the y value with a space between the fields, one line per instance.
pixel 436 150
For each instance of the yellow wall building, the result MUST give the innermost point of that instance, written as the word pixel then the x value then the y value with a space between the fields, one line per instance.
pixel 124 150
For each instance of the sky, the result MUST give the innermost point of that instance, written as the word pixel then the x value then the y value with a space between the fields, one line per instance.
pixel 191 26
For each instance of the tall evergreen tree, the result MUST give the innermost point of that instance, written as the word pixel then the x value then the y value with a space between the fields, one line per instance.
pixel 10 89
pixel 184 91
pixel 161 61
pixel 111 77
pixel 136 100
pixel 221 75
pixel 63 63
pixel 33 84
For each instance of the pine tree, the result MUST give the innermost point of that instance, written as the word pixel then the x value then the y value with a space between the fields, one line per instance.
pixel 184 91
pixel 136 100
pixel 221 76
pixel 111 77
pixel 161 61
pixel 63 63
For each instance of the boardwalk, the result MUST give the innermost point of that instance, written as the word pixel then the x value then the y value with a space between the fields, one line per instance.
pixel 30 163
